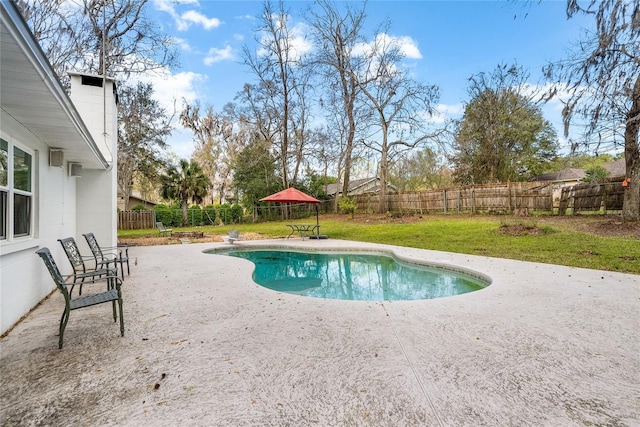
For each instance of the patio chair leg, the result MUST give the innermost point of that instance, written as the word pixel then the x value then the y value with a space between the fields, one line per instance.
pixel 115 316
pixel 63 324
pixel 122 267
pixel 121 317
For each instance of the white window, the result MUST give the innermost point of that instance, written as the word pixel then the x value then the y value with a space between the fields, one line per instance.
pixel 16 191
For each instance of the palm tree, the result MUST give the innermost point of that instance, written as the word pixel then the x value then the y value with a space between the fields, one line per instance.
pixel 185 182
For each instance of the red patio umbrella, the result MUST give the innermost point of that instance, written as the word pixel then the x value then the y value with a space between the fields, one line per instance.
pixel 293 195
pixel 290 195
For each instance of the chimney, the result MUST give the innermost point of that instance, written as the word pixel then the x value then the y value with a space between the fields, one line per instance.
pixel 95 99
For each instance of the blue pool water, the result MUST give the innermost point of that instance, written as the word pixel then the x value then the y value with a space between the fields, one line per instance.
pixel 353 276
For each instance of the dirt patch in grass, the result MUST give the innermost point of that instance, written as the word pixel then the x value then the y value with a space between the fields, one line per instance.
pixel 175 240
pixel 521 230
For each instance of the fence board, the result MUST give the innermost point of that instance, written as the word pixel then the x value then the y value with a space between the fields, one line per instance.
pixel 483 198
pixel 136 220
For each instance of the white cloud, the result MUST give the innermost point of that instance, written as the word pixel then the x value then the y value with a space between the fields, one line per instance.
pixel 185 20
pixel 408 47
pixel 216 55
pixel 183 43
pixel 406 44
pixel 191 16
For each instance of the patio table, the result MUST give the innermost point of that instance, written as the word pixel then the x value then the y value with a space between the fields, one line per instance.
pixel 303 229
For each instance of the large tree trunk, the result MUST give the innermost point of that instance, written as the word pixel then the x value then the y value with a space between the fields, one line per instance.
pixel 384 173
pixel 631 205
pixel 185 207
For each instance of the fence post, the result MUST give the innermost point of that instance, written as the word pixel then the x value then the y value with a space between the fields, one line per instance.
pixel 473 200
pixel 445 201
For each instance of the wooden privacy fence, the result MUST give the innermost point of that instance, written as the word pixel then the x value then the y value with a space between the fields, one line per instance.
pixel 532 196
pixel 592 197
pixel 136 220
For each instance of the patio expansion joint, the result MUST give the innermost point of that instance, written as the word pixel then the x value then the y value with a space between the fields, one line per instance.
pixel 412 366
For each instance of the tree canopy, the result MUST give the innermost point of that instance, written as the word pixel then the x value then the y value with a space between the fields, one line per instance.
pixel 502 135
pixel 602 75
pixel 185 182
pixel 143 127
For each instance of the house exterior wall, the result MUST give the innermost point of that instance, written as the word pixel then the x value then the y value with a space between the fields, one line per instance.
pixel 63 206
pixel 23 281
pixel 97 189
pixel 36 115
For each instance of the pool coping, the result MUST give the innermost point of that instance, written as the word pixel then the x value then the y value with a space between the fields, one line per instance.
pixel 542 345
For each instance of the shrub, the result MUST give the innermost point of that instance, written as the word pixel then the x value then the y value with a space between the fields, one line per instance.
pixel 194 216
pixel 164 214
pixel 224 212
pixel 138 208
pixel 236 213
pixel 347 205
pixel 209 215
pixel 176 216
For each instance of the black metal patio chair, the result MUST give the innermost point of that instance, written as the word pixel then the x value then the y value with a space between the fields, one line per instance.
pixel 113 293
pixel 105 256
pixel 81 272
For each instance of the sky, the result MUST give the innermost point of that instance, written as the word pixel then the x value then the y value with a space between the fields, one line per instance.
pixel 445 43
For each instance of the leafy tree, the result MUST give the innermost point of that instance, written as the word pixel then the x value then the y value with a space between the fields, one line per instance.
pixel 502 135
pixel 602 75
pixel 183 183
pixel 317 184
pixel 595 174
pixel 143 127
pixel 218 143
pixel 578 160
pixel 255 174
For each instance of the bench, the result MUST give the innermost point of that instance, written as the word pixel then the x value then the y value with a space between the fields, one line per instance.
pixel 162 229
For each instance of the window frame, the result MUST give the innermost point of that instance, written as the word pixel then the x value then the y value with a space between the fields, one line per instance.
pixel 10 193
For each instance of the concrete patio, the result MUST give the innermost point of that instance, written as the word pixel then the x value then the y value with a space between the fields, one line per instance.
pixel 544 345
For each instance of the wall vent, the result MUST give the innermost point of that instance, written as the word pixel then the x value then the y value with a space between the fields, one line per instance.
pixel 75 169
pixel 56 157
pixel 92 81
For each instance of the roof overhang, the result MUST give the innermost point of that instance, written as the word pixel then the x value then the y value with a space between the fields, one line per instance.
pixel 32 94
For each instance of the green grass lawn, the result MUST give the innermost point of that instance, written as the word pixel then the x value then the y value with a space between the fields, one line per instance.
pixel 477 235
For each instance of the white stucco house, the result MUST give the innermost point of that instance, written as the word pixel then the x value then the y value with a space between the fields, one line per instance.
pixel 57 166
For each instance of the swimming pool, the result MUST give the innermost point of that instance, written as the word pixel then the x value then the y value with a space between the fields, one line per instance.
pixel 353 275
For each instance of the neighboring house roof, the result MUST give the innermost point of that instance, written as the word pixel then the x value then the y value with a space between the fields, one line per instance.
pixel 136 195
pixel 28 76
pixel 571 174
pixel 616 169
pixel 355 184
